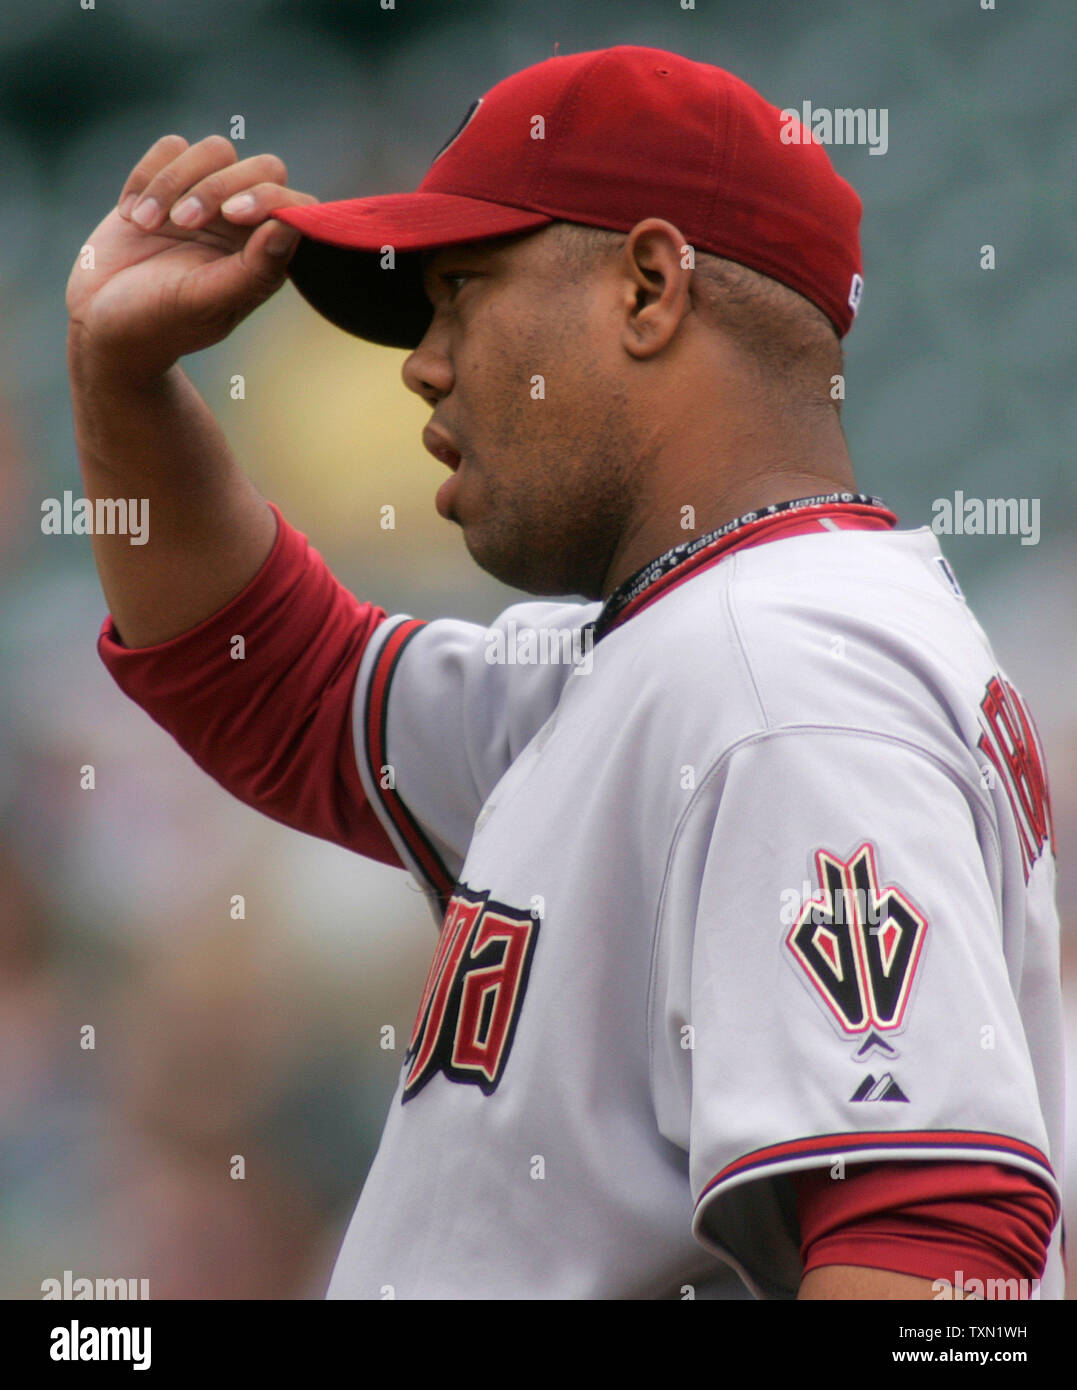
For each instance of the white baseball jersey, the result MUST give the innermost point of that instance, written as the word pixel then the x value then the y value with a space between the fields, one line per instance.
pixel 761 880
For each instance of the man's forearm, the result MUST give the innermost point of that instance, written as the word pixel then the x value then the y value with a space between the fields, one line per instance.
pixel 209 531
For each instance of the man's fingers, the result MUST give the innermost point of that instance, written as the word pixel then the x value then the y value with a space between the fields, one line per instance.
pixel 188 167
pixel 248 191
pixel 270 248
pixel 228 289
pixel 200 204
pixel 159 154
pixel 254 204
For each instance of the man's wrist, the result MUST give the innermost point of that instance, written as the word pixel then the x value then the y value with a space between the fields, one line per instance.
pixel 98 372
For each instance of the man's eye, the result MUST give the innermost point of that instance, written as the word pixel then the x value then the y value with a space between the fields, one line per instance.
pixel 454 280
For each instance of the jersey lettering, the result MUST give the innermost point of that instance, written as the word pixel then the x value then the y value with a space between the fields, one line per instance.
pixel 1009 741
pixel 471 1000
pixel 858 944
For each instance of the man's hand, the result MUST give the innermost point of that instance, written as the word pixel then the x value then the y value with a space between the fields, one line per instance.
pixel 172 270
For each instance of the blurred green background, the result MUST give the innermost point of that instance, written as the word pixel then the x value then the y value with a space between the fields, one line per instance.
pixel 261 1037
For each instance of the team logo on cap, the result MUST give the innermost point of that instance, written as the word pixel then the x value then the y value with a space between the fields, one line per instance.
pixel 459 129
pixel 471 1000
pixel 859 944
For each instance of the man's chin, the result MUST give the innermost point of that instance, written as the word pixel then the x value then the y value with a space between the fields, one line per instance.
pixel 517 566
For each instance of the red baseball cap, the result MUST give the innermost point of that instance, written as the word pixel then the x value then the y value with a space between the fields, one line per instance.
pixel 605 138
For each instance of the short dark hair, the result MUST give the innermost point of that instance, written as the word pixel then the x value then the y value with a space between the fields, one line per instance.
pixel 786 334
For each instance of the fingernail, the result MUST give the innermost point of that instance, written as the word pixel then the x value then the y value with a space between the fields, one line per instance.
pixel 183 214
pixel 146 213
pixel 239 202
pixel 280 242
pixel 127 204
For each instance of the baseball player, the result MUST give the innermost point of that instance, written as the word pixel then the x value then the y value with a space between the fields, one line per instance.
pixel 742 860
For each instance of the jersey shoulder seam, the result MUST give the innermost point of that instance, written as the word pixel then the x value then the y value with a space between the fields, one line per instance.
pixel 742 646
pixel 974 790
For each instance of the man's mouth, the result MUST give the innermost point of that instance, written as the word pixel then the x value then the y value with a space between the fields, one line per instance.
pixel 438 443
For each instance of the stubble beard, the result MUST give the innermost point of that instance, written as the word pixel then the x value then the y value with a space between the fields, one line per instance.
pixel 553 532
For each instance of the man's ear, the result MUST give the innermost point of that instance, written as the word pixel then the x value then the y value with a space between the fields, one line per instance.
pixel 656 272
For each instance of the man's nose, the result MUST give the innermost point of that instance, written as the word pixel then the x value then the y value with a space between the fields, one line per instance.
pixel 427 371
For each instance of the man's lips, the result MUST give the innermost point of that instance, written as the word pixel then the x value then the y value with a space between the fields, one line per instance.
pixel 438 443
pixel 444 497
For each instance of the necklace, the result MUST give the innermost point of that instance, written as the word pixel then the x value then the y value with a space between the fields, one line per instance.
pixel 720 540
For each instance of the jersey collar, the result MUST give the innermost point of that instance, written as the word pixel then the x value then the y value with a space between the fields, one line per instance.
pixel 840 511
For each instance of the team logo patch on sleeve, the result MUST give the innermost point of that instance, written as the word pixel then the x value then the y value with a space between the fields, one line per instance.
pixel 859 944
pixel 473 993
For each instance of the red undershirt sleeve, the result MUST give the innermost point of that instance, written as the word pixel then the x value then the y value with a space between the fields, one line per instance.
pixel 273 728
pixel 930 1220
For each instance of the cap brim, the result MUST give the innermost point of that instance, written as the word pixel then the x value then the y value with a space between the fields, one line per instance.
pixel 339 266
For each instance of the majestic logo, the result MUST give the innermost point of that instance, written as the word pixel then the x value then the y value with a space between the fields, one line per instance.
pixel 859 945
pixel 1010 744
pixel 471 1000
pixel 886 1088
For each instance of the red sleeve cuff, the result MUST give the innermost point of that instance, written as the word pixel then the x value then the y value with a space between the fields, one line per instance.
pixel 260 694
pixel 932 1220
